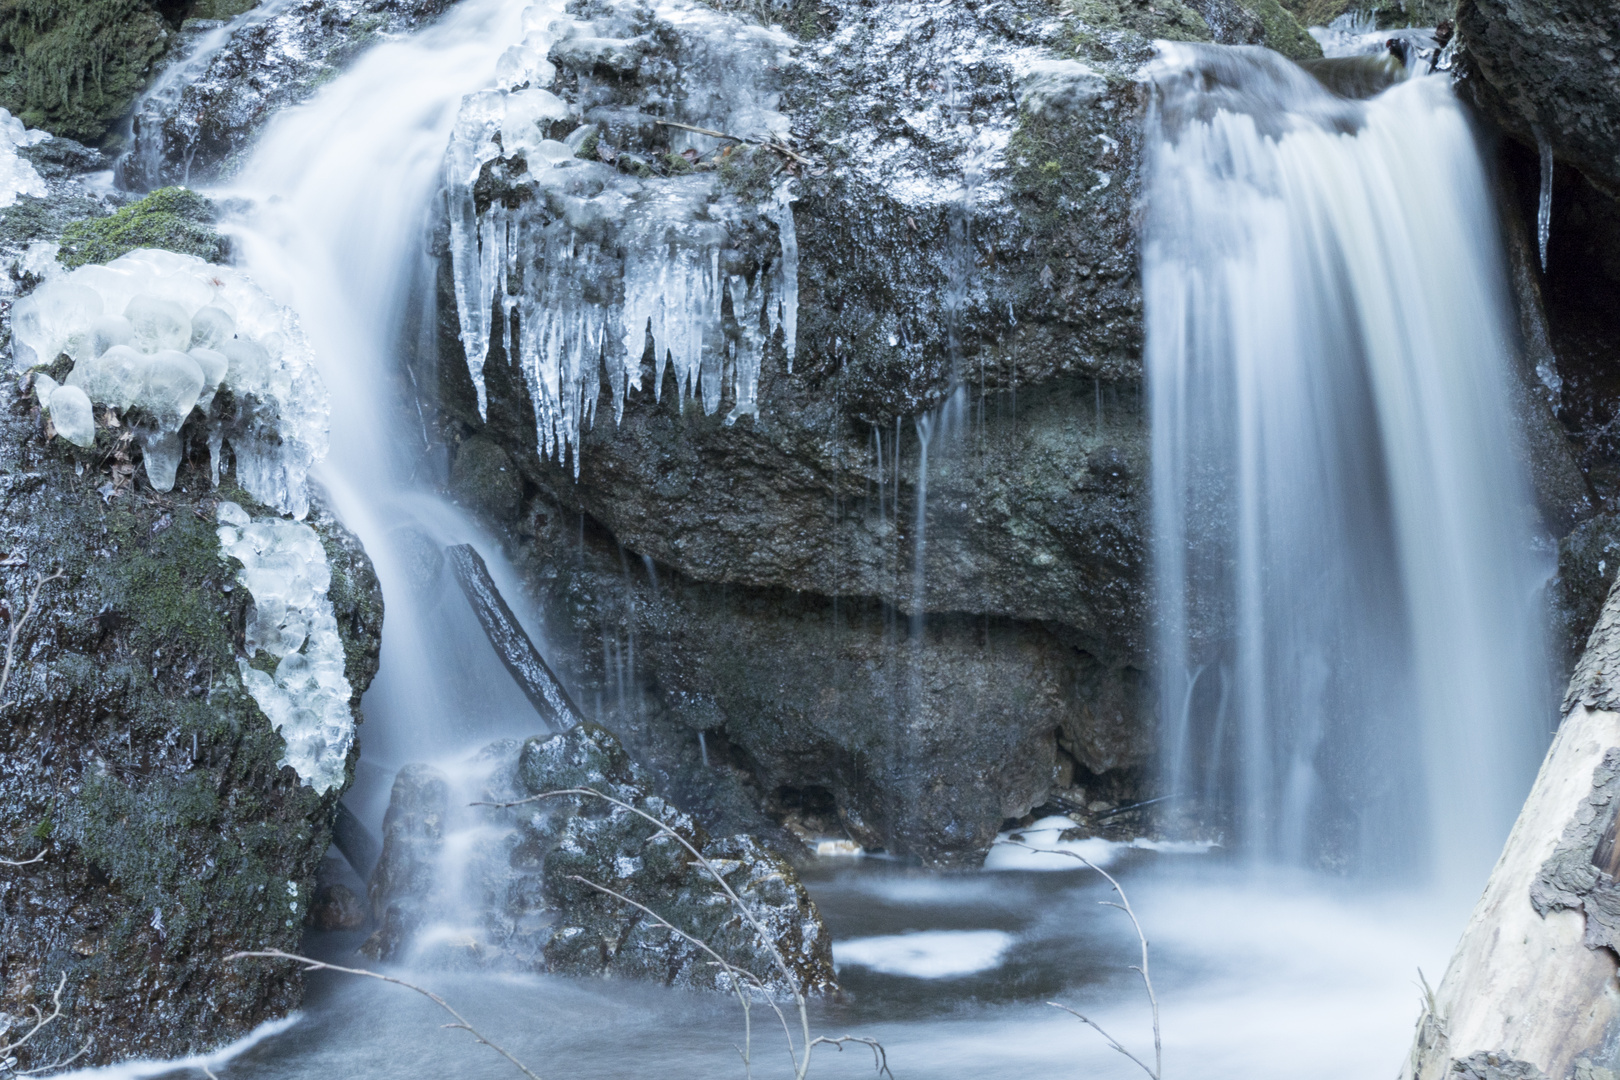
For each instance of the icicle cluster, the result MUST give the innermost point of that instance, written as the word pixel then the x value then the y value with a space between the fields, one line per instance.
pixel 161 334
pixel 307 699
pixel 597 260
pixel 17 176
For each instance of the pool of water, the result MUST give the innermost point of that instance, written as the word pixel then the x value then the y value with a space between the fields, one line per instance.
pixel 1258 977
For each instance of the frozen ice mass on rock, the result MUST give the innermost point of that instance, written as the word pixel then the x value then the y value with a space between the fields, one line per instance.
pixel 17 175
pixel 602 259
pixel 162 334
pixel 307 699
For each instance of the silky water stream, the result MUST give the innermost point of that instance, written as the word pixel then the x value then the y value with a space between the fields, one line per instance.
pixel 1326 357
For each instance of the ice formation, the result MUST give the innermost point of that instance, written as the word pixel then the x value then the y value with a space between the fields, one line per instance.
pixel 599 258
pixel 162 333
pixel 17 175
pixel 307 700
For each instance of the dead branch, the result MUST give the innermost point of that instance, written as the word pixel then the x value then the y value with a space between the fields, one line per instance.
pixel 18 623
pixel 461 1021
pixel 1147 981
pixel 41 1020
pixel 22 862
pixel 769 144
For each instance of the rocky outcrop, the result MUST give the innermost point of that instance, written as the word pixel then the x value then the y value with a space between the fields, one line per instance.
pixel 966 275
pixel 135 766
pixel 212 100
pixel 521 895
pixel 1550 72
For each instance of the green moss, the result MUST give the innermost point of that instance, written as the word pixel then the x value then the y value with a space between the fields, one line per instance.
pixel 587 146
pixel 677 164
pixel 220 9
pixel 74 66
pixel 749 171
pixel 175 219
pixel 1283 31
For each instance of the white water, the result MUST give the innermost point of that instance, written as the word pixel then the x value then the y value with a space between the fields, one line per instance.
pixel 1350 644
pixel 341 188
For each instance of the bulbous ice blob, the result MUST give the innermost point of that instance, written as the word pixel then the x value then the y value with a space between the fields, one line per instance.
pixel 210 326
pixel 173 383
pixel 249 365
pixel 110 330
pixel 44 387
pixel 230 513
pixel 160 453
pixel 116 285
pixel 70 412
pixel 114 378
pixel 159 324
pixel 214 365
pixel 50 320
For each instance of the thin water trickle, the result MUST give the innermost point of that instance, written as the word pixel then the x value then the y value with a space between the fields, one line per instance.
pixel 1343 544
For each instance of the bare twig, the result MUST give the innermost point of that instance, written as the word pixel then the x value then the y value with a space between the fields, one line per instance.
pixel 22 862
pixel 1147 981
pixel 17 625
pixel 41 1019
pixel 53 1066
pixel 461 1021
pixel 769 144
pixel 742 982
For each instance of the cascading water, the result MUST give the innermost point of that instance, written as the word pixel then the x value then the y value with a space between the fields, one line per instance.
pixel 1350 649
pixel 340 190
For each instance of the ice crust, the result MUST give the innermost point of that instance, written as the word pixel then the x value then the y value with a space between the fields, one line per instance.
pixel 162 333
pixel 17 175
pixel 307 699
pixel 601 259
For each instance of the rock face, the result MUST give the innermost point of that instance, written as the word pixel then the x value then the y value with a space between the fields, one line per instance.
pixel 966 276
pixel 133 761
pixel 1554 68
pixel 517 902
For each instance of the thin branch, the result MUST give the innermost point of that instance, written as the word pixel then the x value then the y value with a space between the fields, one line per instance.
pixel 1111 1040
pixel 880 1058
pixel 741 980
pixel 40 1019
pixel 17 625
pixel 461 1021
pixel 23 862
pixel 769 144
pixel 64 1063
pixel 1147 981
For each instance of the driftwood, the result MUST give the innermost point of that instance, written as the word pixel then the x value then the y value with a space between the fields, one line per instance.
pixel 545 691
pixel 1530 993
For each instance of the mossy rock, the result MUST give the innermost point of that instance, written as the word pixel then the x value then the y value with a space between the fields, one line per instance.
pixel 72 67
pixel 174 219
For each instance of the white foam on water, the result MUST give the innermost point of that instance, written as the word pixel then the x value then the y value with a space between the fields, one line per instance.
pixel 926 954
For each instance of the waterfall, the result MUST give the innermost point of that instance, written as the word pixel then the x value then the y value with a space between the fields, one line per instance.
pixel 339 192
pixel 1351 658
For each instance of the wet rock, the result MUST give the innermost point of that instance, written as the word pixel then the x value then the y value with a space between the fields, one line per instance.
pixel 267 64
pixel 964 227
pixel 517 901
pixel 407 871
pixel 335 907
pixel 485 479
pixel 134 760
pixel 1554 68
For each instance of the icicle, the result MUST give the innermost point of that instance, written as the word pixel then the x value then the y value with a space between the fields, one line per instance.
pixel 783 216
pixel 1544 205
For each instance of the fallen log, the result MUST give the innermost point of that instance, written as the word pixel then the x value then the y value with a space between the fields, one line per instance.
pixel 541 685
